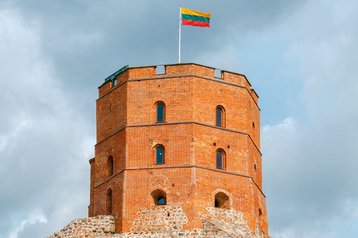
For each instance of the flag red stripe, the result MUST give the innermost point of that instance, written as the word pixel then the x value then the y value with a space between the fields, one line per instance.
pixel 195 23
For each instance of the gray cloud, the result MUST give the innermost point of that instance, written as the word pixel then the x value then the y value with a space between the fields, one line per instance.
pixel 42 137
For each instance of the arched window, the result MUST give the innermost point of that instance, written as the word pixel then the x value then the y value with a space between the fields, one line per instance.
pixel 220 159
pixel 161 201
pixel 220 116
pixel 109 202
pixel 159 154
pixel 222 200
pixel 159 197
pixel 160 111
pixel 110 166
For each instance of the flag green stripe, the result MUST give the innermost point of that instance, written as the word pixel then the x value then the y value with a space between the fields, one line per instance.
pixel 195 18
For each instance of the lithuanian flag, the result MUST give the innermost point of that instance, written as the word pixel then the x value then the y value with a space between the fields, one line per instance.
pixel 194 18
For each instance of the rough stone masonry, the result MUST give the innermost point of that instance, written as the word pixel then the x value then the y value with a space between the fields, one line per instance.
pixel 155 222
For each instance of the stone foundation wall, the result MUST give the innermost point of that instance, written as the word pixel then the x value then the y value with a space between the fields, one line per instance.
pixel 99 226
pixel 163 221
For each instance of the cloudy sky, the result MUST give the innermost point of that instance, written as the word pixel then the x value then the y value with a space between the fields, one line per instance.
pixel 300 56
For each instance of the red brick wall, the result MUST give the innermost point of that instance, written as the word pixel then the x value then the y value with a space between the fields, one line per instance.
pixel 127 130
pixel 111 112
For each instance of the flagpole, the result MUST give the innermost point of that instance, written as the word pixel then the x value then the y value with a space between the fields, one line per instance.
pixel 179 33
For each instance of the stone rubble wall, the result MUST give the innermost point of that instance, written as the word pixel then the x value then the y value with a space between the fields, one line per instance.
pixel 99 226
pixel 162 221
pixel 230 222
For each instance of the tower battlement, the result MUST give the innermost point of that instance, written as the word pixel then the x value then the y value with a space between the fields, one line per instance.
pixel 182 135
pixel 176 70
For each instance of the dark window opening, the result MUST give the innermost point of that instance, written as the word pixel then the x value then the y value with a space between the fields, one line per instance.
pixel 222 200
pixel 260 212
pixel 220 159
pixel 109 202
pixel 255 166
pixel 217 203
pixel 161 201
pixel 159 154
pixel 160 112
pixel 220 116
pixel 159 197
pixel 110 166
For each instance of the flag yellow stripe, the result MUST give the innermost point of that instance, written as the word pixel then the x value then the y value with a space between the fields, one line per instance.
pixel 195 13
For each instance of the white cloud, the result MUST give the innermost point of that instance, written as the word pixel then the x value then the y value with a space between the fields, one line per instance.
pixel 34 218
pixel 309 162
pixel 42 137
pixel 13 134
pixel 350 207
pixel 293 233
pixel 288 125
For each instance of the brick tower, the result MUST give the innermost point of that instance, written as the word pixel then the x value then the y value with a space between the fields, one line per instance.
pixel 183 134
